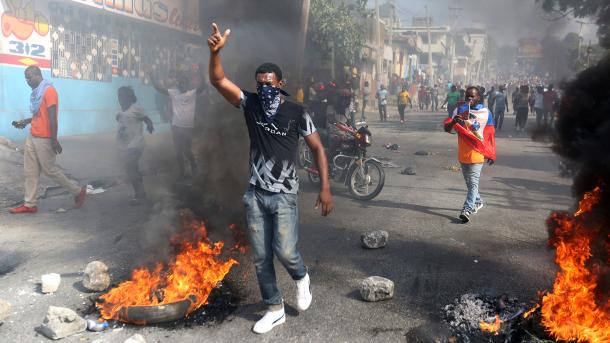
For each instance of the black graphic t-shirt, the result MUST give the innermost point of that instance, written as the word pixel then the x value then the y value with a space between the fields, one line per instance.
pixel 273 143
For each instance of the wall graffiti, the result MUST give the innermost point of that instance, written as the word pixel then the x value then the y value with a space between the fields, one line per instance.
pixel 25 29
pixel 164 12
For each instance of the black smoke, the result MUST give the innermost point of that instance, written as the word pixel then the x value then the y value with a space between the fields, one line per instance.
pixel 583 139
pixel 261 31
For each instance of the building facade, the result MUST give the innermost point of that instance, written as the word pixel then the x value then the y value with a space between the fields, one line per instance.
pixel 90 48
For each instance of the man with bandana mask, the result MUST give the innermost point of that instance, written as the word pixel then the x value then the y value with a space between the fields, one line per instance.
pixel 274 126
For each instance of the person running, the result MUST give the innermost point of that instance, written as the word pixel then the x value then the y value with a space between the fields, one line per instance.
pixel 130 139
pixel 403 99
pixel 382 103
pixel 183 98
pixel 41 145
pixel 474 125
pixel 272 215
pixel 451 100
pixel 501 103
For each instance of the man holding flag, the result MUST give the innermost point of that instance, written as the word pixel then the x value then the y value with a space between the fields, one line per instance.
pixel 476 143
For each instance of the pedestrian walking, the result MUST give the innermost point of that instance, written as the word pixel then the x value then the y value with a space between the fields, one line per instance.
pixel 551 102
pixel 522 101
pixel 272 215
pixel 403 99
pixel 366 94
pixel 382 103
pixel 541 120
pixel 130 139
pixel 451 100
pixel 491 98
pixel 475 130
pixel 41 145
pixel 434 97
pixel 501 103
pixel 183 97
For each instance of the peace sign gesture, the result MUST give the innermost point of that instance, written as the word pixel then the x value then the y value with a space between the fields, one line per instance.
pixel 216 41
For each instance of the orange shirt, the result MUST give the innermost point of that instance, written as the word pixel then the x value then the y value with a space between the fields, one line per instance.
pixel 467 154
pixel 40 120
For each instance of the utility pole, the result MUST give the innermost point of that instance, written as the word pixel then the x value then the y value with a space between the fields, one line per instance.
pixel 580 37
pixel 391 33
pixel 302 41
pixel 453 13
pixel 430 69
pixel 379 47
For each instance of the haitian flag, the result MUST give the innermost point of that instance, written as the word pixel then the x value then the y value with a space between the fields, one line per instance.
pixel 478 115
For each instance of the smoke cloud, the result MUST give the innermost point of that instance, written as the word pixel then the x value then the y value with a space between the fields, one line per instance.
pixel 505 20
pixel 583 138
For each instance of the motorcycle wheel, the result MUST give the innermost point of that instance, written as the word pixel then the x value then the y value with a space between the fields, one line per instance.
pixel 368 186
pixel 313 178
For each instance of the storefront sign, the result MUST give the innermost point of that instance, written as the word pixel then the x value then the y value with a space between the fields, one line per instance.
pixel 25 33
pixel 164 12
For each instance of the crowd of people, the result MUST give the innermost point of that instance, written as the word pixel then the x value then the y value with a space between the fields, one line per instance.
pixel 275 126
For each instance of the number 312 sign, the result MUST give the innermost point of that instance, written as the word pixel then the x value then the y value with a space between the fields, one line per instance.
pixel 25 48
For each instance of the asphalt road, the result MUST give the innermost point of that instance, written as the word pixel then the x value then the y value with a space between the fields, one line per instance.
pixel 431 256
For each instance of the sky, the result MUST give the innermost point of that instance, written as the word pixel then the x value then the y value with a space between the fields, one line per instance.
pixel 506 20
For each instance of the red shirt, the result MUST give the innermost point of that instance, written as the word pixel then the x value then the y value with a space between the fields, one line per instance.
pixel 549 99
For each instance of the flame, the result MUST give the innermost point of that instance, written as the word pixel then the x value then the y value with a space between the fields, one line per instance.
pixel 491 328
pixel 192 274
pixel 570 312
pixel 531 311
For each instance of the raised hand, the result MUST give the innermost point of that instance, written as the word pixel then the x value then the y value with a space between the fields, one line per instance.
pixel 216 41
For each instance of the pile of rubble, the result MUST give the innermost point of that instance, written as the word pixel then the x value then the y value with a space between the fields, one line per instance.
pixel 466 315
pixel 11 169
pixel 61 322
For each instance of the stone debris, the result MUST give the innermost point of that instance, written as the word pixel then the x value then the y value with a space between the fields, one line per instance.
pixel 96 277
pixel 391 146
pixel 137 338
pixel 376 288
pixel 408 171
pixel 5 310
pixel 50 282
pixel 422 153
pixel 375 239
pixel 61 210
pixel 61 322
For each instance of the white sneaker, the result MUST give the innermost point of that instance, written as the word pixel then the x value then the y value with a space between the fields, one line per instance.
pixel 477 207
pixel 303 293
pixel 270 320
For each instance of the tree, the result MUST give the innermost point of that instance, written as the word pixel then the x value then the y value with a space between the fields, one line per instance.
pixel 338 24
pixel 598 9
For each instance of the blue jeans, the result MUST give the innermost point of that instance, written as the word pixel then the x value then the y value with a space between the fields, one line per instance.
pixel 273 228
pixel 472 173
pixel 499 118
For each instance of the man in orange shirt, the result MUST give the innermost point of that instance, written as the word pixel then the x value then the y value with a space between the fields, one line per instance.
pixel 41 146
pixel 474 117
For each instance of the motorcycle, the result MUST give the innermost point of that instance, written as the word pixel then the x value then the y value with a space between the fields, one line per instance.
pixel 363 176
